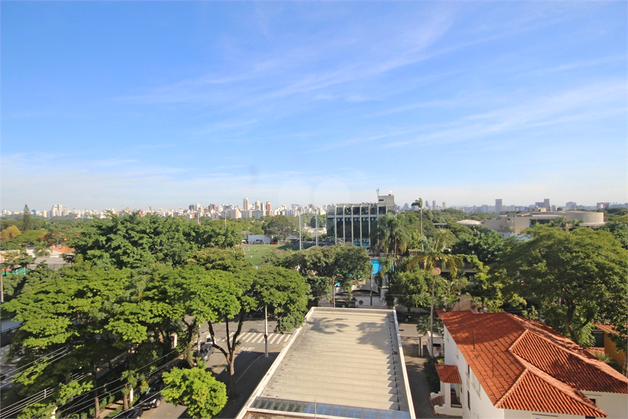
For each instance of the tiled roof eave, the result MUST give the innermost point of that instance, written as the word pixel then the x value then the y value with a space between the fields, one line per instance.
pixel 448 374
pixel 580 404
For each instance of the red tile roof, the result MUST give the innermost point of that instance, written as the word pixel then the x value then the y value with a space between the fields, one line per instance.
pixel 448 374
pixel 523 364
pixel 596 351
pixel 606 328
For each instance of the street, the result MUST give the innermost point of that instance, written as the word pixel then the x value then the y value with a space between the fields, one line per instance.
pixel 250 354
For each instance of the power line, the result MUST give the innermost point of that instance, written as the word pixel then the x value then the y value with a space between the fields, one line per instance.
pixel 23 368
pixel 16 407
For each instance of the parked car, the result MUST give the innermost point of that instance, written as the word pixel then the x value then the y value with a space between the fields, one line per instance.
pixel 207 348
pixel 134 412
pixel 152 398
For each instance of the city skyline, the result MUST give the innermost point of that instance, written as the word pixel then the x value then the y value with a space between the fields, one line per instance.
pixel 136 104
pixel 267 206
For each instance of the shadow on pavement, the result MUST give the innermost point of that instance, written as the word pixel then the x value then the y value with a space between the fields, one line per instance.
pixel 250 369
pixel 419 387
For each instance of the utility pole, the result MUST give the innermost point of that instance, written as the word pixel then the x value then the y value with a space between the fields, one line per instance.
pixel 266 330
pixel 316 226
pixel 371 283
pixel 419 202
pixel 300 241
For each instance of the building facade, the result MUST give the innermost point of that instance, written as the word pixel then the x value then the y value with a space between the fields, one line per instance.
pixel 499 365
pixel 353 223
pixel 515 224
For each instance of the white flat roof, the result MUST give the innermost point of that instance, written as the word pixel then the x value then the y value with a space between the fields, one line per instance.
pixel 341 363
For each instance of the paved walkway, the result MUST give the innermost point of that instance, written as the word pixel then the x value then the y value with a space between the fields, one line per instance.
pixel 419 387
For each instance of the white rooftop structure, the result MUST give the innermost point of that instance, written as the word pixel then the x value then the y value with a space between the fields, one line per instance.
pixel 341 363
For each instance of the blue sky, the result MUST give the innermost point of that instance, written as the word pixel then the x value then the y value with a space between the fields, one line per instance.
pixel 131 104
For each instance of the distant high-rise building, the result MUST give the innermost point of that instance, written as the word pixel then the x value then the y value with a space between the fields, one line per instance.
pixel 444 206
pixel 498 206
pixel 258 206
pixel 245 204
pixel 434 205
pixel 545 204
pixel 570 206
pixel 268 206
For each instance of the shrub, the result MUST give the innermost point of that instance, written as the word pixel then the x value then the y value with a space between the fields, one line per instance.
pixel 429 367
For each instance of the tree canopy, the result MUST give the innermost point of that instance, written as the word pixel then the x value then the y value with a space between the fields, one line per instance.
pixel 134 241
pixel 281 226
pixel 197 389
pixel 575 277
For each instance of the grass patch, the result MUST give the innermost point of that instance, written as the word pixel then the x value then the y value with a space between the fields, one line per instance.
pixel 255 252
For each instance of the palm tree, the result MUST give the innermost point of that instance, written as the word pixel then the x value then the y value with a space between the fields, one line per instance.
pixel 419 203
pixel 391 236
pixel 434 258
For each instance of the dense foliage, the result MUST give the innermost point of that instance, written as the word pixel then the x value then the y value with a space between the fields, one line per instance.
pixel 197 389
pixel 135 241
pixel 574 278
pixel 325 266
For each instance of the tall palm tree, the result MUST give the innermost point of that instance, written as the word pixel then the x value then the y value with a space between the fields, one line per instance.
pixel 419 203
pixel 434 258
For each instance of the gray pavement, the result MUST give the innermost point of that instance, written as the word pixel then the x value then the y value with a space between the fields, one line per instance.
pixel 246 383
pixel 419 387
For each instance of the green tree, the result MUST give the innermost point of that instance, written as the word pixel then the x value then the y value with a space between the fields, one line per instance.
pixel 575 277
pixel 230 260
pixel 486 245
pixel 410 289
pixel 322 220
pixel 65 315
pixel 619 229
pixel 30 237
pixel 435 258
pixel 284 292
pixel 27 220
pixel 281 226
pixel 391 236
pixel 9 233
pixel 134 241
pixel 347 265
pixel 197 389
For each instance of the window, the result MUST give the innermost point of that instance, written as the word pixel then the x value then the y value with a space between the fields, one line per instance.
pixel 595 403
pixel 468 400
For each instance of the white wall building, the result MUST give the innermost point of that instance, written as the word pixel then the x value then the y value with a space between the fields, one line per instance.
pixel 499 365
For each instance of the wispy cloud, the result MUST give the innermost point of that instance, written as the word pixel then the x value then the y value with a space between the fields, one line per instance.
pixel 575 104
